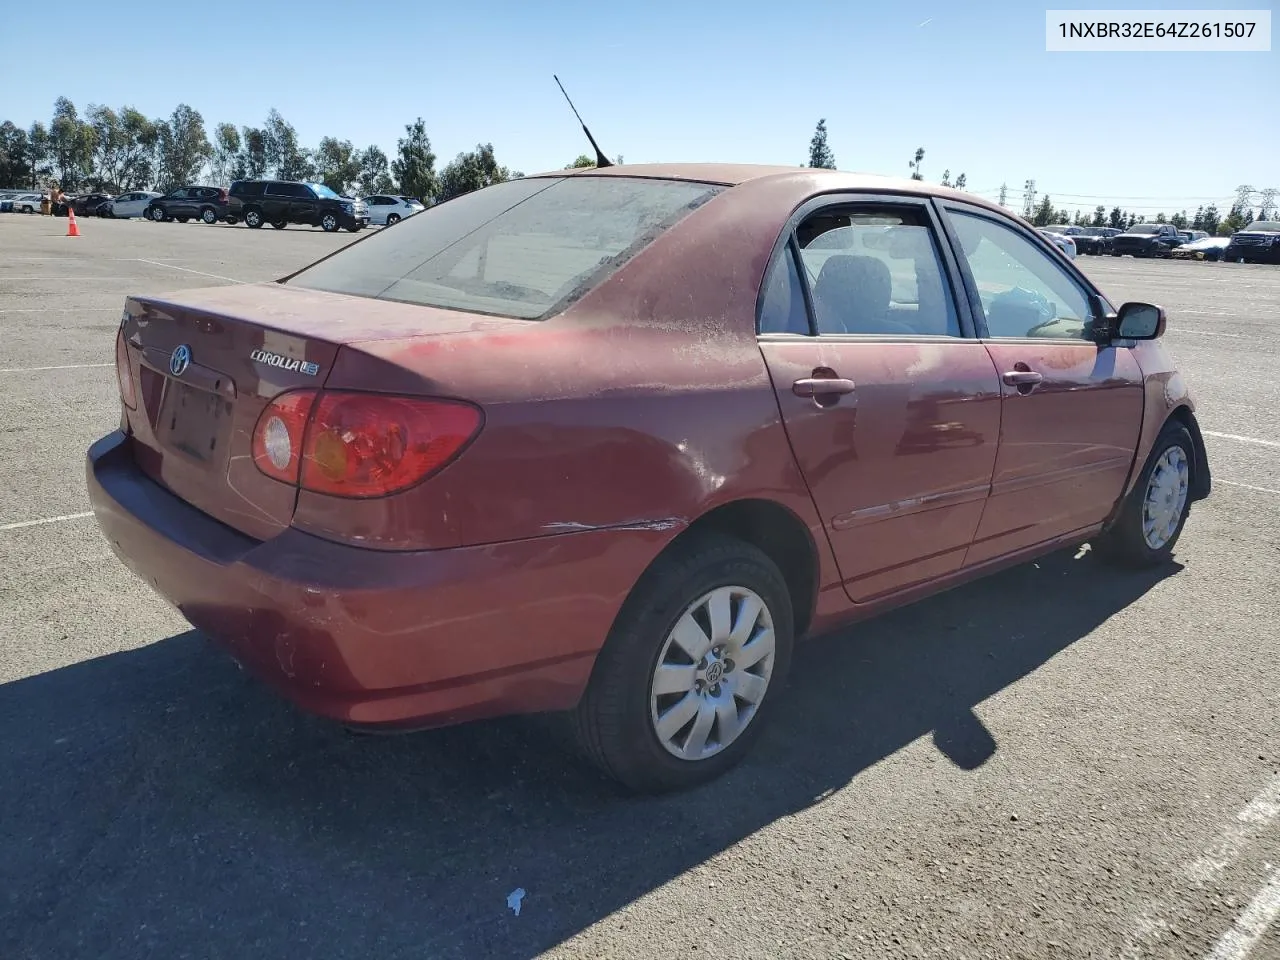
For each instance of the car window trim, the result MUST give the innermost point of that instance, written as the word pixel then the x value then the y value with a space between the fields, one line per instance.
pixel 1099 305
pixel 845 199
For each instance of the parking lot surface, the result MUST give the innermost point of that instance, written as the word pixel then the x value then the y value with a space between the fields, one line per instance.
pixel 1061 761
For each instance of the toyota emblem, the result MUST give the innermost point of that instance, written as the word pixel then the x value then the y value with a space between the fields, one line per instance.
pixel 180 360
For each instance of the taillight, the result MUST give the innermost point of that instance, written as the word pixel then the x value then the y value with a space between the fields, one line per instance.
pixel 123 374
pixel 359 445
pixel 279 435
pixel 370 445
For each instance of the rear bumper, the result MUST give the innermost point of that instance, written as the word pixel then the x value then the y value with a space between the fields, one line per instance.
pixel 377 638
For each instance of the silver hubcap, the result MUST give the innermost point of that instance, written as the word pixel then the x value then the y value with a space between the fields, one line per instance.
pixel 210 216
pixel 712 673
pixel 330 223
pixel 252 218
pixel 1166 497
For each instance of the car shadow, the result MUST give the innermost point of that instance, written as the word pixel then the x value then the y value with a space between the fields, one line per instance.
pixel 157 802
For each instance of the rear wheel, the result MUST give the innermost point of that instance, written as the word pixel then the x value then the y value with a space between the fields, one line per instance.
pixel 253 218
pixel 691 669
pixel 393 219
pixel 279 224
pixel 182 219
pixel 209 215
pixel 329 222
pixel 157 215
pixel 1156 510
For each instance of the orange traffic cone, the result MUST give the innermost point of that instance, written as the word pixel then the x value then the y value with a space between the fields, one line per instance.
pixel 72 229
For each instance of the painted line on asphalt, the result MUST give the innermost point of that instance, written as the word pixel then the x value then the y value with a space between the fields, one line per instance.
pixel 1249 822
pixel 173 266
pixel 1149 928
pixel 1252 923
pixel 1240 439
pixel 105 276
pixel 65 366
pixel 1246 486
pixel 39 523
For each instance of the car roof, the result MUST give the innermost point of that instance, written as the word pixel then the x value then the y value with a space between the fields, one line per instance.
pixel 808 179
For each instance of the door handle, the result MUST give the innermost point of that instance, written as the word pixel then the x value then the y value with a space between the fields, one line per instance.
pixel 1023 378
pixel 822 387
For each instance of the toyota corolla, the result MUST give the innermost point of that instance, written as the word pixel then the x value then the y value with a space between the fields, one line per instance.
pixel 610 442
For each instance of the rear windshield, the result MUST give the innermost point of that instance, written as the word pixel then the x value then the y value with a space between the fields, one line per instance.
pixel 1145 228
pixel 519 249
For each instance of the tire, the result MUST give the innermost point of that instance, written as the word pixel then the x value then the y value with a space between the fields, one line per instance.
pixel 209 215
pixel 616 723
pixel 253 218
pixel 1126 542
pixel 182 219
pixel 329 222
pixel 355 228
pixel 230 220
pixel 393 219
pixel 157 215
pixel 279 224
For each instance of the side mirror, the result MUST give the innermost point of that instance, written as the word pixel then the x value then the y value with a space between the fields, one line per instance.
pixel 1140 321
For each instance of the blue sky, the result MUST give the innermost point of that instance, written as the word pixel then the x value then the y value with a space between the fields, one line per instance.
pixel 691 81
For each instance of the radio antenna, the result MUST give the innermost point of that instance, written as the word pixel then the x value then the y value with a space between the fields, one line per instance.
pixel 601 159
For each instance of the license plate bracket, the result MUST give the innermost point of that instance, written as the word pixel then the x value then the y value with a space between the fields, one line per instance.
pixel 192 421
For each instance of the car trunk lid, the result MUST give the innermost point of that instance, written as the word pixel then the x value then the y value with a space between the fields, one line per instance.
pixel 206 363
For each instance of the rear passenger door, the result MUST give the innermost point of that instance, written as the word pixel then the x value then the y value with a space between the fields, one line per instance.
pixel 1072 407
pixel 891 405
pixel 276 201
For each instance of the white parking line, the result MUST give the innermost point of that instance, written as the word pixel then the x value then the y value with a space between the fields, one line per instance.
pixel 174 266
pixel 1246 486
pixel 1249 822
pixel 1237 437
pixel 1250 925
pixel 1150 927
pixel 66 366
pixel 39 523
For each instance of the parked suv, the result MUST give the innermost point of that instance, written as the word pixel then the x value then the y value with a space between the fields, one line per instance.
pixel 190 203
pixel 282 202
pixel 1147 240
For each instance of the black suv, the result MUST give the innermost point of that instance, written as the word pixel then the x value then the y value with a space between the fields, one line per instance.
pixel 190 203
pixel 282 202
pixel 1256 243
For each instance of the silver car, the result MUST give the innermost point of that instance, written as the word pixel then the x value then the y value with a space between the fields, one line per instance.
pixel 129 205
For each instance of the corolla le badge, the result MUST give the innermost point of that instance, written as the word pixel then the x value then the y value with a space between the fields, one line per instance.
pixel 179 360
pixel 288 364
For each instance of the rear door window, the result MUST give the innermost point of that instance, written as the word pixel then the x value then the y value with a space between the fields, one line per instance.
pixel 523 248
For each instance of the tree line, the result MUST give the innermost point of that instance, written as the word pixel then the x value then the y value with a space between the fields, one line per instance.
pixel 115 151
pixel 1208 219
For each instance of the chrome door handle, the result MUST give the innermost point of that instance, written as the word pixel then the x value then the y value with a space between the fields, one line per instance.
pixel 821 387
pixel 1023 378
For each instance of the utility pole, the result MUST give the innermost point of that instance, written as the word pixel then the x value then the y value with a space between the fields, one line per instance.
pixel 1029 198
pixel 1004 194
pixel 1268 202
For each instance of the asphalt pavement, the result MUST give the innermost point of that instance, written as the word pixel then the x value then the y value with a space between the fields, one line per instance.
pixel 1061 761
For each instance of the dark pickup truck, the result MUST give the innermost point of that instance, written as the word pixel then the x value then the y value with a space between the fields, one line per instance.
pixel 1147 240
pixel 1259 242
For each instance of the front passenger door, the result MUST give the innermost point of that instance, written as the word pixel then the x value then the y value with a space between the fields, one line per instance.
pixel 1072 403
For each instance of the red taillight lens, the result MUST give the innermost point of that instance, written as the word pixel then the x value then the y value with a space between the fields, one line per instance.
pixel 128 395
pixel 370 445
pixel 279 435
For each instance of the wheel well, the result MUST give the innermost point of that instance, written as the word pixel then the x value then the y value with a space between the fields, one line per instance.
pixel 1201 481
pixel 781 535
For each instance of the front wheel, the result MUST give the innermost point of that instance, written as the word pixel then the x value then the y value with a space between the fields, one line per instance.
pixel 1154 513
pixel 691 668
pixel 253 219
pixel 157 215
pixel 209 215
pixel 329 222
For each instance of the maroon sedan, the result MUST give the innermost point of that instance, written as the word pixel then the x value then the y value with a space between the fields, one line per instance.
pixel 610 441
